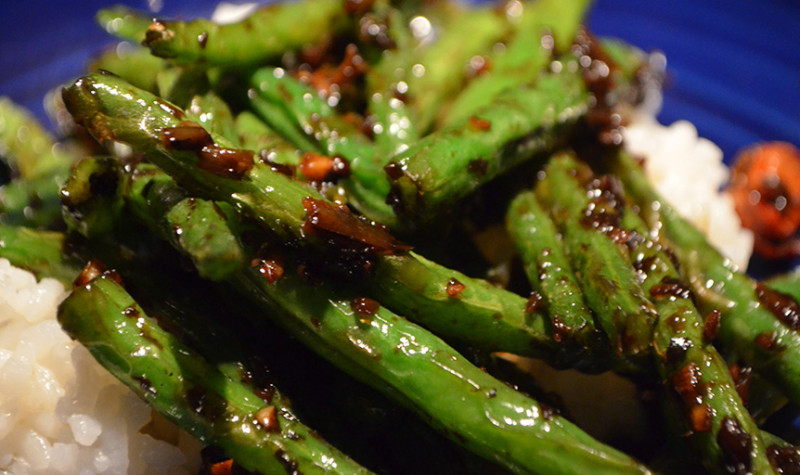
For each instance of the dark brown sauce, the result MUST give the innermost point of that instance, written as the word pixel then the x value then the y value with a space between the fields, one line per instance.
pixel 736 446
pixel 365 307
pixel 741 378
pixel 394 170
pixel 766 340
pixel 93 269
pixel 267 419
pixel 534 303
pixel 597 69
pixel 478 167
pixel 271 266
pixel 670 288
pixel 348 231
pixel 785 460
pixel 561 330
pixel 195 396
pixel 783 306
pixel 676 351
pixel 711 326
pixel 686 382
pixel 454 288
pixel 202 39
pixel 220 161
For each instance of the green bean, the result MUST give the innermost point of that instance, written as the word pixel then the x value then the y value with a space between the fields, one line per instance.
pixel 260 38
pixel 411 365
pixel 254 134
pixel 549 271
pixel 213 113
pixel 133 63
pixel 123 22
pixel 586 217
pixel 40 167
pixel 259 434
pixel 545 28
pixel 709 406
pixel 443 167
pixel 110 108
pixel 332 134
pixel 748 329
pixel 43 253
pixel 439 73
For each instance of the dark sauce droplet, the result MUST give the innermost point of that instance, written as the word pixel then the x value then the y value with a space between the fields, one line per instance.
pixel 711 326
pixel 736 445
pixel 783 306
pixel 220 161
pixel 267 419
pixel 785 460
pixel 534 303
pixel 348 231
pixel 365 307
pixel 394 170
pixel 766 340
pixel 670 288
pixel 270 266
pixel 686 382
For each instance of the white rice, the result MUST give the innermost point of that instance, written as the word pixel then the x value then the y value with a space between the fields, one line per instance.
pixel 689 172
pixel 60 411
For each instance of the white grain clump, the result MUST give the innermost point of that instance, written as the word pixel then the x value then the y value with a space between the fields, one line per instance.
pixel 60 411
pixel 688 172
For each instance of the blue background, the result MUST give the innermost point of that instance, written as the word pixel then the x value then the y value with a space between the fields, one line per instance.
pixel 734 66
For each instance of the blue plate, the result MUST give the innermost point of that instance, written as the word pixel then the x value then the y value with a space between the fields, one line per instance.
pixel 733 66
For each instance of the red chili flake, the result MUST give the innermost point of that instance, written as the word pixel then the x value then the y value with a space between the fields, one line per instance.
pixel 348 231
pixel 319 168
pixel 711 326
pixel 267 419
pixel 476 123
pixel 454 288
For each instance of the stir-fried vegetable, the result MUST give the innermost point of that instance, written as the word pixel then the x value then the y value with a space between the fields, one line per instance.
pixel 298 157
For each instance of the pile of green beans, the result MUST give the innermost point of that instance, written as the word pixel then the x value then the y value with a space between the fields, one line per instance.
pixel 324 168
